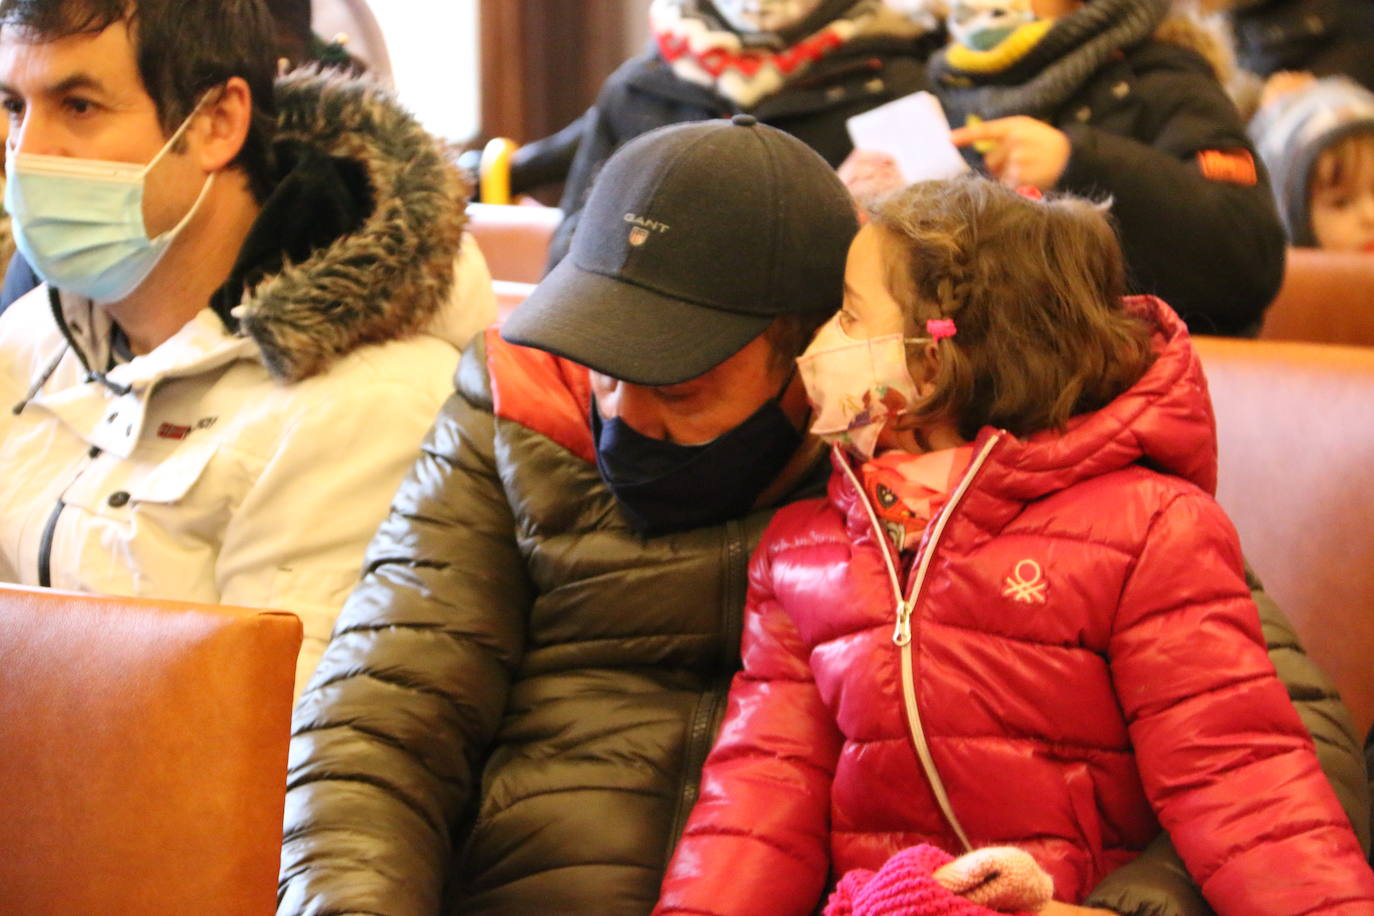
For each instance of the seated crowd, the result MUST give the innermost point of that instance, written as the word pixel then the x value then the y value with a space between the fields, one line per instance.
pixel 808 540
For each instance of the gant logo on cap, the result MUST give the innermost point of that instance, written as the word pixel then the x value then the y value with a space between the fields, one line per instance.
pixel 643 228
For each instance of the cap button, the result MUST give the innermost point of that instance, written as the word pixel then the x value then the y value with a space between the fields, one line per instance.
pixel 744 120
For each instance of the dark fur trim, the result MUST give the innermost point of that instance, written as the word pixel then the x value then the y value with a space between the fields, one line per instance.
pixel 388 279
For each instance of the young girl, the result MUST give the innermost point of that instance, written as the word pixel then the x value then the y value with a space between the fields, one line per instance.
pixel 1019 617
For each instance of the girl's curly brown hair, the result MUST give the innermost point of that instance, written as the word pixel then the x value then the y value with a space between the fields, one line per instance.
pixel 1035 289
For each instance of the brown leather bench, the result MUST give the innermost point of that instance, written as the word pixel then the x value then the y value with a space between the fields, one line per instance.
pixel 1327 297
pixel 514 239
pixel 1296 444
pixel 142 755
pixel 509 294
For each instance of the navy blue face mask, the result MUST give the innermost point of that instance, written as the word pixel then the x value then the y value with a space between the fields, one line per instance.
pixel 664 487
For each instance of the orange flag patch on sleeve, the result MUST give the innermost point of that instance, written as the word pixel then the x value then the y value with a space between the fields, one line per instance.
pixel 1233 166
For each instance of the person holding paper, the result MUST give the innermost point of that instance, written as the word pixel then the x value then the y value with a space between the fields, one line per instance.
pixel 884 155
pixel 1090 97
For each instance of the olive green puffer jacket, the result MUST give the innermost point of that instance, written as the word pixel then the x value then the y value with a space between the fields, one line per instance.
pixel 513 712
pixel 520 693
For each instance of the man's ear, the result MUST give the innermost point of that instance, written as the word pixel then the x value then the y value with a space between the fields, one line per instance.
pixel 224 119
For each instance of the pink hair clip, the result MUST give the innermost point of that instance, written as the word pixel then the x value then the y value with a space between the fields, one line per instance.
pixel 940 328
pixel 1030 192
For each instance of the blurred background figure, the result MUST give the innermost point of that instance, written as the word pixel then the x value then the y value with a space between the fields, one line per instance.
pixel 1316 137
pixel 804 66
pixel 346 25
pixel 1326 37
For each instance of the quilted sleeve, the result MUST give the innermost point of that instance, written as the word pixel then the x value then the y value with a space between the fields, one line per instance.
pixel 1227 763
pixel 1156 883
pixel 757 841
pixel 389 737
pixel 1321 710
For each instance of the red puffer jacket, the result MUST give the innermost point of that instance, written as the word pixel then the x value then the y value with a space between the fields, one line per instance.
pixel 1077 652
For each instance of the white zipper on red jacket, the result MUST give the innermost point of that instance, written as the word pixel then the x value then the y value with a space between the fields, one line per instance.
pixel 901 634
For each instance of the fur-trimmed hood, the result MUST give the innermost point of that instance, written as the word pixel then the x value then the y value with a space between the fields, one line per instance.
pixel 391 275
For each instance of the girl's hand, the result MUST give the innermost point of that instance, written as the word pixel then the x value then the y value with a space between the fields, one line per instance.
pixel 1055 908
pixel 1021 151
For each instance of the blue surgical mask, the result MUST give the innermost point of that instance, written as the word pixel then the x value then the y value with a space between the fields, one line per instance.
pixel 79 222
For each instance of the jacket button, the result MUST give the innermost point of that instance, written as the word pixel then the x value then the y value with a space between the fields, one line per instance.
pixel 118 498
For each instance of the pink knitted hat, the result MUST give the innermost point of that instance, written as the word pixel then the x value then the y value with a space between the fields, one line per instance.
pixel 926 881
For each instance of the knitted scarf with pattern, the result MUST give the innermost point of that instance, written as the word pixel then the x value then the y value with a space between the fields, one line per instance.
pixel 1036 70
pixel 746 69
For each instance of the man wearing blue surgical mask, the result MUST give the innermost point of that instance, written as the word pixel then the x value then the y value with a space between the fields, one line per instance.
pixel 89 215
pixel 250 311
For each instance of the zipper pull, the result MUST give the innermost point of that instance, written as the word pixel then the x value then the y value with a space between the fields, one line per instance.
pixel 901 634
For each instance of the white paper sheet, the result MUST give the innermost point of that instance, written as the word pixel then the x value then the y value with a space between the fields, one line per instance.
pixel 914 132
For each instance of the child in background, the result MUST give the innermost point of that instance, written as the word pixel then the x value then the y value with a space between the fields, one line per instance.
pixel 1111 99
pixel 1316 138
pixel 1019 618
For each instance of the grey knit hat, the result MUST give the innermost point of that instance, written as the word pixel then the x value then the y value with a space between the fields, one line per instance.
pixel 1292 132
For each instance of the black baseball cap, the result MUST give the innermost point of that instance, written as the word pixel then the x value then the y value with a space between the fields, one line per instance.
pixel 694 238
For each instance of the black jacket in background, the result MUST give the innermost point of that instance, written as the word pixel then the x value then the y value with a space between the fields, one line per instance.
pixel 1213 250
pixel 644 93
pixel 1328 37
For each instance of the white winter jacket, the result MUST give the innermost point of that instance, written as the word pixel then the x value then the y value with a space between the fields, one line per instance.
pixel 195 472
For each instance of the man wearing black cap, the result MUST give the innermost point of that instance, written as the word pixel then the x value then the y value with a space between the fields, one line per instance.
pixel 518 697
pixel 513 712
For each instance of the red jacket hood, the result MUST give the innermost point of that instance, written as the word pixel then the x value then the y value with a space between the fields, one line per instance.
pixel 1164 421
